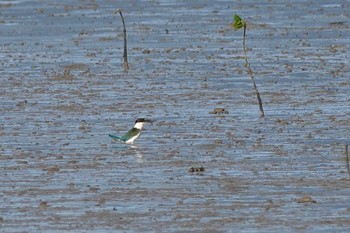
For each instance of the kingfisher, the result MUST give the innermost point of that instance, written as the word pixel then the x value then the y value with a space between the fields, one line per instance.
pixel 133 133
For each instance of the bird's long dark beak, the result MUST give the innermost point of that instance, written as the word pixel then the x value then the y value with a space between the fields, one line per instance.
pixel 149 120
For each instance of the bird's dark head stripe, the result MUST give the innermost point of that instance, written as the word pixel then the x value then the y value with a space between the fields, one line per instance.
pixel 142 120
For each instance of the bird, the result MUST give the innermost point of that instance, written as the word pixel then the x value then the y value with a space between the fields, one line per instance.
pixel 133 133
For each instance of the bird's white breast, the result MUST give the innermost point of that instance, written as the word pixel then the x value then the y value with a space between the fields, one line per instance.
pixel 132 139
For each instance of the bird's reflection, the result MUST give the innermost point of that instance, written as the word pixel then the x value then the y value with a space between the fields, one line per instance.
pixel 131 150
pixel 138 153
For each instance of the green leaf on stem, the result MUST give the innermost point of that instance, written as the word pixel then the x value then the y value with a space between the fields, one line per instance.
pixel 239 23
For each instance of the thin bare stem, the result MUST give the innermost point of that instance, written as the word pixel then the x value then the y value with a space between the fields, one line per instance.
pixel 347 158
pixel 262 114
pixel 125 55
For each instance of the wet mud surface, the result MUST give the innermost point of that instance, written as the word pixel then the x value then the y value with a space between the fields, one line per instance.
pixel 63 90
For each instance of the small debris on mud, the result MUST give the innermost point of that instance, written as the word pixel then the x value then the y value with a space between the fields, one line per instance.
pixel 43 204
pixel 218 141
pixel 52 170
pixel 219 111
pixel 196 169
pixel 94 189
pixel 337 24
pixel 306 199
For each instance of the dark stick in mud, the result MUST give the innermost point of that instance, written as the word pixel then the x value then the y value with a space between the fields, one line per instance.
pixel 125 56
pixel 347 158
pixel 239 23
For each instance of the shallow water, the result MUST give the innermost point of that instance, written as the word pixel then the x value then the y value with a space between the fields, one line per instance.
pixel 63 90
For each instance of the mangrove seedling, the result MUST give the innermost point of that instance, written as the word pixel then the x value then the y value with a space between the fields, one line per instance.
pixel 347 158
pixel 125 55
pixel 238 24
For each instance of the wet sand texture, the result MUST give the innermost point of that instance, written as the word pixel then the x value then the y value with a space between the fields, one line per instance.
pixel 63 89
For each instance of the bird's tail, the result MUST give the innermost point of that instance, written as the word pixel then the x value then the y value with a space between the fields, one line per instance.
pixel 117 137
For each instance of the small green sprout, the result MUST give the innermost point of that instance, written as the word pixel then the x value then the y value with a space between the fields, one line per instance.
pixel 239 23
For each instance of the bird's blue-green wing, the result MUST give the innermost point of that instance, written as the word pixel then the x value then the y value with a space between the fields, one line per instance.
pixel 131 133
pixel 117 137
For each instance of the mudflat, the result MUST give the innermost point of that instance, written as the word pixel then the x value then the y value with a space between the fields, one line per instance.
pixel 63 89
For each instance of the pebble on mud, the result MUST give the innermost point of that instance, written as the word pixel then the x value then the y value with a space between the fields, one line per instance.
pixel 196 169
pixel 306 199
pixel 219 111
